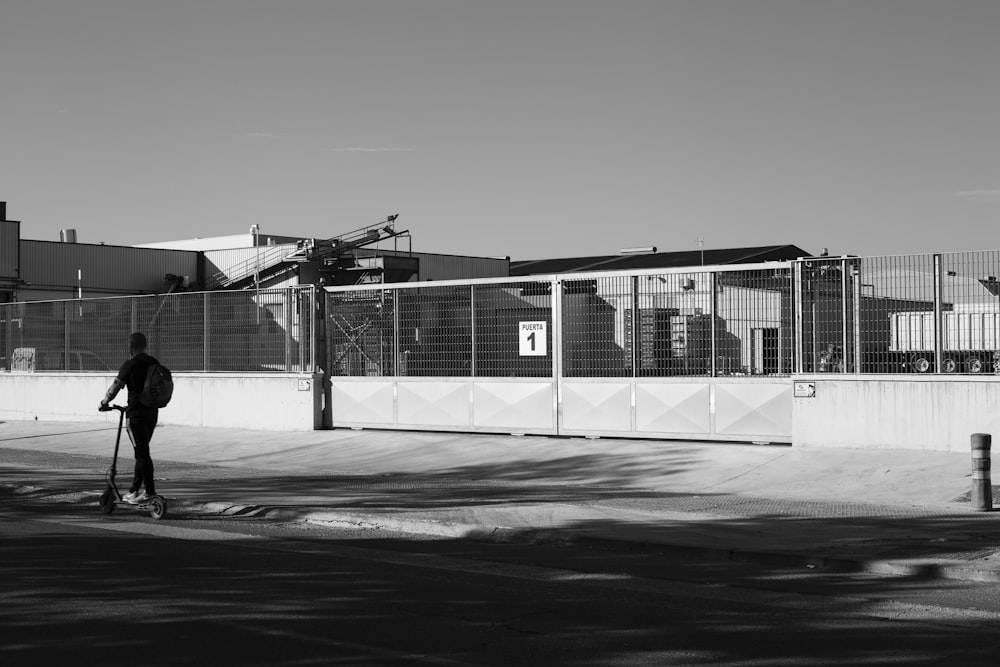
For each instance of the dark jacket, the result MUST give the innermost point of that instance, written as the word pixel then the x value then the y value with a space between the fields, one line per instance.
pixel 133 375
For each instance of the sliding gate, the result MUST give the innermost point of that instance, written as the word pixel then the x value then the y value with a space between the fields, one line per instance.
pixel 703 354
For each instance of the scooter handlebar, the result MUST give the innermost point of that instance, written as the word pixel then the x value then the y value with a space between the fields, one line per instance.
pixel 109 408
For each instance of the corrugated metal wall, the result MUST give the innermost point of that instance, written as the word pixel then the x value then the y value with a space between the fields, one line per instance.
pixel 10 235
pixel 453 267
pixel 449 267
pixel 51 268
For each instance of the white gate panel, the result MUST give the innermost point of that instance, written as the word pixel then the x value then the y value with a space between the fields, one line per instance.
pixel 433 403
pixel 596 406
pixel 520 406
pixel 364 402
pixel 759 409
pixel 673 408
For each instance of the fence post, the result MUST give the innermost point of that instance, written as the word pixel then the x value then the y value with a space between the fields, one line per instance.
pixel 798 339
pixel 206 337
pixel 858 357
pixel 556 348
pixel 938 319
pixel 289 323
pixel 399 368
pixel 67 308
pixel 472 332
pixel 845 352
pixel 982 490
pixel 713 304
pixel 313 304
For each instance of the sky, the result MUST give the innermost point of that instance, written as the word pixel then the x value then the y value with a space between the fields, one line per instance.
pixel 530 129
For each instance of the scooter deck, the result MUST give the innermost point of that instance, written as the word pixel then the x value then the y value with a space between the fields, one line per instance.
pixel 145 504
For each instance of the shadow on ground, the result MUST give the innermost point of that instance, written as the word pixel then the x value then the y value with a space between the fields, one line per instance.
pixel 111 597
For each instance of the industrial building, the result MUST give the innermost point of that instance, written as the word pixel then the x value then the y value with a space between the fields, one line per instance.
pixel 41 270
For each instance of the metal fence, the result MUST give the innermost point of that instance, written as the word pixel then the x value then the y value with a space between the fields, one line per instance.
pixel 244 331
pixel 707 322
pixel 455 330
pixel 898 314
pixel 935 313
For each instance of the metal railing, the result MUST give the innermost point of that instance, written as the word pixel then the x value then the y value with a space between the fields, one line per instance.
pixel 263 260
pixel 241 331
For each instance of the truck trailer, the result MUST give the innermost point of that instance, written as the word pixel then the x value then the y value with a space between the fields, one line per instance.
pixel 970 340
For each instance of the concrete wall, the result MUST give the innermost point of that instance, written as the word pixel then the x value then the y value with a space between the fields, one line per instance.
pixel 933 412
pixel 262 401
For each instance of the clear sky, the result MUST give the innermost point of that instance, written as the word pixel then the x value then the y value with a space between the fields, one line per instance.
pixel 536 128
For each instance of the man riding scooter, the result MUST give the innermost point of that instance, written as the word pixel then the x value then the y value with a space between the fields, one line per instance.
pixel 141 418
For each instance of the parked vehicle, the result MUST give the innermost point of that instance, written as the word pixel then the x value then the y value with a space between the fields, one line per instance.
pixel 970 340
pixel 30 359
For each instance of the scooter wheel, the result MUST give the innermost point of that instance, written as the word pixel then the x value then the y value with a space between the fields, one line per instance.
pixel 158 507
pixel 107 503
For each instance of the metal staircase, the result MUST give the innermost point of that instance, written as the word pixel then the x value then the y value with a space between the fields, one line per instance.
pixel 274 261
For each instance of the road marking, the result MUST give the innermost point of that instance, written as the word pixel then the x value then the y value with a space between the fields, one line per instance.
pixel 158 530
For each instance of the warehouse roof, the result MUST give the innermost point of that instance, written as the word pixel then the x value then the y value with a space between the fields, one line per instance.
pixel 658 260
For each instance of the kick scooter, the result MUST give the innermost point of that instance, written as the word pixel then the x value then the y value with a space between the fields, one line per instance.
pixel 112 498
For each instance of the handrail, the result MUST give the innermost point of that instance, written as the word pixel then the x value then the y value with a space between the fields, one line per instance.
pixel 307 249
pixel 265 259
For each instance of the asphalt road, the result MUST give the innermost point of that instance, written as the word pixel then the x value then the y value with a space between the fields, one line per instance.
pixel 80 588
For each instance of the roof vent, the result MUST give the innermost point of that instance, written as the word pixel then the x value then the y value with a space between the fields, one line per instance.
pixel 67 236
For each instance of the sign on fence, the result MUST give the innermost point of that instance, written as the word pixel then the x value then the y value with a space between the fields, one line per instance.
pixel 23 360
pixel 532 338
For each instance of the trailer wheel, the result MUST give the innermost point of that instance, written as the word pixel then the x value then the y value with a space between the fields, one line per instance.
pixel 921 364
pixel 949 365
pixel 974 365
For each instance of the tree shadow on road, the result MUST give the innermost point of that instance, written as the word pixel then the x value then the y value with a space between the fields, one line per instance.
pixel 78 597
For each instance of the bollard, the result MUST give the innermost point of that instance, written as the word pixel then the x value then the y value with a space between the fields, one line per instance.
pixel 982 490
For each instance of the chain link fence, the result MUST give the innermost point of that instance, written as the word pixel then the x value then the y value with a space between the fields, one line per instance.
pixel 242 331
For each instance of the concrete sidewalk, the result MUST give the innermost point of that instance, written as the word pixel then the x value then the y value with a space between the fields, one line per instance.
pixel 899 512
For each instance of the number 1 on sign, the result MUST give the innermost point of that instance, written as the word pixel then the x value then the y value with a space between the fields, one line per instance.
pixel 532 339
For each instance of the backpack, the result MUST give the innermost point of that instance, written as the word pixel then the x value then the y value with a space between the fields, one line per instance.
pixel 158 387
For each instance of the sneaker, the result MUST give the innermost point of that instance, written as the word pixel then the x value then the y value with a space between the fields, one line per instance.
pixel 132 497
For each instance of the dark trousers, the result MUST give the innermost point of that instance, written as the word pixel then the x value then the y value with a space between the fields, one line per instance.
pixel 140 432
